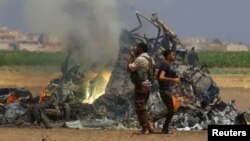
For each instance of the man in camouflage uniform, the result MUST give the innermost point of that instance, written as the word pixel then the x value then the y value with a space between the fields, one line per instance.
pixel 139 65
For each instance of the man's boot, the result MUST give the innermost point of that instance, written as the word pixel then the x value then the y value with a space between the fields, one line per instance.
pixel 144 130
pixel 165 129
pixel 150 127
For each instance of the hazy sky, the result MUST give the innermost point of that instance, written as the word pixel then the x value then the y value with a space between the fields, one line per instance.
pixel 224 19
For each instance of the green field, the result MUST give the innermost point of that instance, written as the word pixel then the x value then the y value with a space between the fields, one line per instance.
pixel 224 59
pixel 218 62
pixel 25 58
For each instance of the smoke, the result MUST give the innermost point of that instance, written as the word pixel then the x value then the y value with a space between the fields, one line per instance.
pixel 2 2
pixel 90 27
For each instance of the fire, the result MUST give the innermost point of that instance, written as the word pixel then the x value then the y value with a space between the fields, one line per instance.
pixel 179 101
pixel 96 85
pixel 176 102
pixel 106 75
pixel 12 98
pixel 42 95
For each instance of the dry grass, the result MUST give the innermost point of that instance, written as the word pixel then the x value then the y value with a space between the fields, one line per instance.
pixel 33 81
pixel 232 81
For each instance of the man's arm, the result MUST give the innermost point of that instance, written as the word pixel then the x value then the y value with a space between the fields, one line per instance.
pixel 131 60
pixel 173 80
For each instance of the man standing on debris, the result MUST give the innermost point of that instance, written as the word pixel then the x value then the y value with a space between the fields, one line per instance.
pixel 192 57
pixel 167 78
pixel 138 66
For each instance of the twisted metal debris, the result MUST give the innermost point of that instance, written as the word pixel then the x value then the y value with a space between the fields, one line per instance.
pixel 197 99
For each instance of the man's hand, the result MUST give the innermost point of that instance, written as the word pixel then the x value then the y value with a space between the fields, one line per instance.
pixel 132 53
pixel 177 80
pixel 132 59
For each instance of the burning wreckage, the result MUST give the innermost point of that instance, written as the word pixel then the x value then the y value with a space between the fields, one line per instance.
pixel 63 102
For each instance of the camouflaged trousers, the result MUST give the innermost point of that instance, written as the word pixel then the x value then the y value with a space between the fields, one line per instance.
pixel 141 98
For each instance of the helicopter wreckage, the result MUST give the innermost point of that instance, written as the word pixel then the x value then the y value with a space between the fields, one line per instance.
pixel 61 103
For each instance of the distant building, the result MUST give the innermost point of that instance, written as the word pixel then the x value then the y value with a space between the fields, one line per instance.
pixel 5 46
pixel 7 35
pixel 237 47
pixel 15 40
pixel 199 43
pixel 217 47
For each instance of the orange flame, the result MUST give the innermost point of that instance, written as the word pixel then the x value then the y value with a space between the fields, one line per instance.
pixel 42 95
pixel 12 98
pixel 176 102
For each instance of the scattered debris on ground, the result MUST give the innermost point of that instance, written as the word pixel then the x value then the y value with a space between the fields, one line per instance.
pixel 61 103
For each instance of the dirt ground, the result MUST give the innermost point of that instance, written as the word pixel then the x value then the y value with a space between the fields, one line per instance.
pixel 15 134
pixel 231 87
